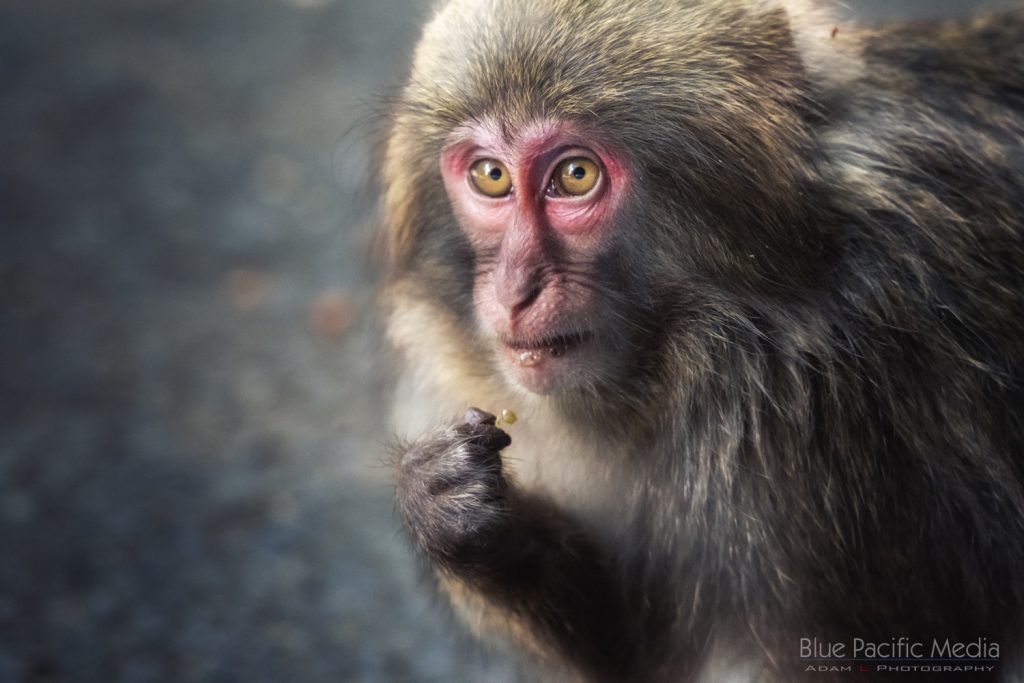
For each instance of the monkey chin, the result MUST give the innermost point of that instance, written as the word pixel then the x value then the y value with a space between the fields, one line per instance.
pixel 548 367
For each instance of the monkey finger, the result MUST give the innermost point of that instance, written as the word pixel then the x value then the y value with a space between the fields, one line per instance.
pixel 475 416
pixel 491 438
pixel 483 438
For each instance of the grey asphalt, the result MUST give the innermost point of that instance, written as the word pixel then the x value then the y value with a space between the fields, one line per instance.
pixel 193 393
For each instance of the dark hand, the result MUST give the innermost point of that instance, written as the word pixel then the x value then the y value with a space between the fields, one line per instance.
pixel 451 492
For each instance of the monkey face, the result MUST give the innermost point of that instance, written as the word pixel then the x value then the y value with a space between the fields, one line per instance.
pixel 539 207
pixel 569 206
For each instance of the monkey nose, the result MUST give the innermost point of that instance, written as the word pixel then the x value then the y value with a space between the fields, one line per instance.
pixel 517 299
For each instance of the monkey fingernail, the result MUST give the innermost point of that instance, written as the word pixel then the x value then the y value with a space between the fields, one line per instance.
pixel 475 416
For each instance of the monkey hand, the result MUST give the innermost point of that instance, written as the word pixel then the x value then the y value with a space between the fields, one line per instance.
pixel 452 495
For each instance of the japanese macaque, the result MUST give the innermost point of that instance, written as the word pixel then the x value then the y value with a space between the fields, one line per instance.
pixel 752 280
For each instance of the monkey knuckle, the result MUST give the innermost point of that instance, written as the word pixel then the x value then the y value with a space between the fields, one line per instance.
pixel 458 518
pixel 458 458
pixel 440 453
pixel 472 491
pixel 472 453
pixel 456 472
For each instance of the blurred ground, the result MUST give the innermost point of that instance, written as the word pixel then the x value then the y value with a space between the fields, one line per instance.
pixel 192 395
pixel 190 487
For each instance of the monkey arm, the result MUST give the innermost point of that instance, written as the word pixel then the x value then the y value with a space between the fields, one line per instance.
pixel 510 560
pixel 537 576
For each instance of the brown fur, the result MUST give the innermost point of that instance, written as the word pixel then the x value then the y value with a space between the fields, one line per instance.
pixel 820 431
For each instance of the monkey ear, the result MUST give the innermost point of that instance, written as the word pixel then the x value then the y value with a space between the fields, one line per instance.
pixel 395 232
pixel 403 206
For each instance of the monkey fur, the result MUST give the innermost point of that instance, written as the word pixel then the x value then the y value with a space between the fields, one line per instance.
pixel 803 412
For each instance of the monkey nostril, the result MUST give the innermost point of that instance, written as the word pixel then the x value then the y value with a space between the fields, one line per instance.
pixel 524 300
pixel 531 296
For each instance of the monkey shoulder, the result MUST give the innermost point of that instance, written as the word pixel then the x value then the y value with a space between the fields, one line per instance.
pixel 982 56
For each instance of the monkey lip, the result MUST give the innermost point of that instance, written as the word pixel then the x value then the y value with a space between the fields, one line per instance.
pixel 531 353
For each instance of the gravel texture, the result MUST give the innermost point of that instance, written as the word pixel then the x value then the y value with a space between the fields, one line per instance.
pixel 192 395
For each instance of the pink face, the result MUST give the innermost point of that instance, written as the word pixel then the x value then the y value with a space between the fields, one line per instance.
pixel 538 207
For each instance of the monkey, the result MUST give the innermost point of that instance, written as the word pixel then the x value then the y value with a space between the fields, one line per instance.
pixel 752 279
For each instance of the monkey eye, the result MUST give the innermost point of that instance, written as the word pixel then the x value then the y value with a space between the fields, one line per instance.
pixel 491 178
pixel 575 177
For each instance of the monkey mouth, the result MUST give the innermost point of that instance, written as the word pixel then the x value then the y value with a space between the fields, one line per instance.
pixel 529 353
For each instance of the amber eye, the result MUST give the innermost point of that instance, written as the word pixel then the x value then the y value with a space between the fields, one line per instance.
pixel 576 176
pixel 490 177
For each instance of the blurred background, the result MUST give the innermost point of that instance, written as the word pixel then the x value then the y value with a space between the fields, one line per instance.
pixel 193 392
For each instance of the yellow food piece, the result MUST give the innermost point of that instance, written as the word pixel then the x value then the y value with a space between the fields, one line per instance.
pixel 507 417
